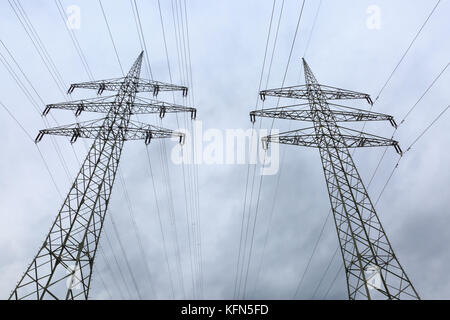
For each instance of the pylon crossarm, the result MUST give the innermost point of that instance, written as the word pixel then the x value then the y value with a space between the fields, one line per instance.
pixel 155 87
pixel 345 114
pixel 105 104
pixel 142 85
pixel 304 92
pixel 308 137
pixel 95 129
pixel 142 131
pixel 102 105
pixel 99 85
pixel 149 106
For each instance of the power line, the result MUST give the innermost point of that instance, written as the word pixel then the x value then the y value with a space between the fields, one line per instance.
pixel 111 36
pixel 407 50
pixel 74 39
pixel 261 179
pixel 334 280
pixel 272 208
pixel 137 20
pixel 406 116
pixel 37 147
pixel 410 147
pixel 192 95
pixel 160 224
pixel 189 210
pixel 311 257
pixel 326 271
pixel 312 29
pixel 122 248
pixel 237 275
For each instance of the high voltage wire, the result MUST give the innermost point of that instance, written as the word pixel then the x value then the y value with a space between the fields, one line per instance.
pixel 311 257
pixel 326 271
pixel 182 78
pixel 159 215
pixel 122 248
pixel 108 266
pixel 74 39
pixel 237 276
pixel 163 155
pixel 185 65
pixel 118 264
pixel 37 43
pixel 261 178
pixel 104 283
pixel 197 196
pixel 39 151
pixel 410 147
pixel 135 226
pixel 312 28
pixel 266 238
pixel 170 76
pixel 407 50
pixel 111 36
pixel 407 115
pixel 137 19
pixel 160 224
pixel 29 96
pixel 170 203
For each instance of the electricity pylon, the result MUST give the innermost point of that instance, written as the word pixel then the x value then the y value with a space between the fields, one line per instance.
pixel 62 268
pixel 371 267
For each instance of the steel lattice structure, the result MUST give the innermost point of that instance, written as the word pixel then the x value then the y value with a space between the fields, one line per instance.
pixel 365 248
pixel 65 260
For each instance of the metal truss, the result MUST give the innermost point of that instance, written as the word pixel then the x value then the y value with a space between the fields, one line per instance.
pixel 104 104
pixel 62 268
pixel 372 269
pixel 141 85
pixel 95 130
pixel 308 137
pixel 346 114
pixel 302 92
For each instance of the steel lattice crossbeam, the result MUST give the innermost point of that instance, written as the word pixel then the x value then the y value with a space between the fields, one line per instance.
pixel 372 269
pixel 141 85
pixel 307 137
pixel 105 104
pixel 96 130
pixel 62 268
pixel 302 92
pixel 341 114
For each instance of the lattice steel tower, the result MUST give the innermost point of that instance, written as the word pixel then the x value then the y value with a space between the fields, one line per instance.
pixel 66 258
pixel 371 267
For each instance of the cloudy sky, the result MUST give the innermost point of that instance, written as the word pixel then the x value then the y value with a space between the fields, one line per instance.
pixel 348 49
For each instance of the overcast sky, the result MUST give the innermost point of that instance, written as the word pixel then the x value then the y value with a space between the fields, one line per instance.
pixel 227 42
